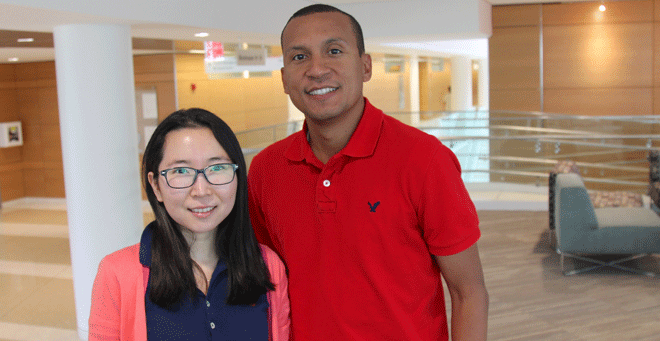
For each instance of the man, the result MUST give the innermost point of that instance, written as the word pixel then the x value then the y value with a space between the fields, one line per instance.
pixel 366 212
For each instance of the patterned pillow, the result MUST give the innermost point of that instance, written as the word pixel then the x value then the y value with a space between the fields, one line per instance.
pixel 566 166
pixel 602 199
pixel 615 199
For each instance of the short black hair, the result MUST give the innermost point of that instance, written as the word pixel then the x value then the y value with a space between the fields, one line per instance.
pixel 322 8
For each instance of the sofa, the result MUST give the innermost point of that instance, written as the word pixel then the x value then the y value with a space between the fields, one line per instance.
pixel 582 230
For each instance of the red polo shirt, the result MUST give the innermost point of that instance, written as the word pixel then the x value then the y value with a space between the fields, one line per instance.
pixel 358 233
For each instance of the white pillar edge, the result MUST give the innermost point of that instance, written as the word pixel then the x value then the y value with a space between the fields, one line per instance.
pixel 98 126
pixel 461 83
pixel 414 90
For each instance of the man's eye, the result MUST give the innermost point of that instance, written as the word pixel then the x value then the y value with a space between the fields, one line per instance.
pixel 298 56
pixel 335 51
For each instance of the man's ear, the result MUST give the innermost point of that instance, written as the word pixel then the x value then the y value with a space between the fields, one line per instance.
pixel 154 186
pixel 366 64
pixel 284 84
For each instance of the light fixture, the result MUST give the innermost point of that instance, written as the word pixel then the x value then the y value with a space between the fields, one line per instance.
pixel 245 46
pixel 25 40
pixel 601 7
pixel 246 74
pixel 13 59
pixel 201 34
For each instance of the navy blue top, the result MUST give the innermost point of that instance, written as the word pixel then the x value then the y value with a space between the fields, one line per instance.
pixel 207 317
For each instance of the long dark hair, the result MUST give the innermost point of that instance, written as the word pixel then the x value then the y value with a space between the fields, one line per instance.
pixel 172 276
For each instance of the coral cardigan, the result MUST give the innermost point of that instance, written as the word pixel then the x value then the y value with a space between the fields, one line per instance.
pixel 118 296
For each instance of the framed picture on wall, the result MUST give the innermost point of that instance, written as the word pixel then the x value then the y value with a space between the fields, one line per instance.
pixel 11 134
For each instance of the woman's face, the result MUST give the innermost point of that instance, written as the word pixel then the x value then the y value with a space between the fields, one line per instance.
pixel 201 207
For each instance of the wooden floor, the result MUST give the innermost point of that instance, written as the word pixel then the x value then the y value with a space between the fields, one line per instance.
pixel 530 298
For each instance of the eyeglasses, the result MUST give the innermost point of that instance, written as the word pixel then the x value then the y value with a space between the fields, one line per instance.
pixel 184 177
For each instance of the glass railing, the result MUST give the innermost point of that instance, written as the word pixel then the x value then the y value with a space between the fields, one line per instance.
pixel 611 153
pixel 255 140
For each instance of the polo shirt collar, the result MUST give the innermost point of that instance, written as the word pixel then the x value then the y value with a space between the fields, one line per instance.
pixel 361 144
pixel 145 248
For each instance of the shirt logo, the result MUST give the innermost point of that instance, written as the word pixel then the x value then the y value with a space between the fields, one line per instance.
pixel 372 208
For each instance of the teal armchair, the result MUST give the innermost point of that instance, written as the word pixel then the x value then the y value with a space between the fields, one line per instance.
pixel 582 230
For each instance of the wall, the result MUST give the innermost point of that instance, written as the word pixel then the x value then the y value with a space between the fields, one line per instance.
pixel 514 58
pixel 570 58
pixel 11 166
pixel 157 72
pixel 433 87
pixel 28 93
pixel 591 62
pixel 242 103
pixel 384 88
pixel 42 151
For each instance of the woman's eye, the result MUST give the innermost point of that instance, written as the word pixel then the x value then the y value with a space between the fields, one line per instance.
pixel 217 168
pixel 298 56
pixel 180 171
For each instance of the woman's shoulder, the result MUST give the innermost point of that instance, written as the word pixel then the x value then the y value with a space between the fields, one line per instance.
pixel 268 253
pixel 273 261
pixel 123 258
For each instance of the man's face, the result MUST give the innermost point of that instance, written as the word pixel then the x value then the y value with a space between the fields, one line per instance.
pixel 323 70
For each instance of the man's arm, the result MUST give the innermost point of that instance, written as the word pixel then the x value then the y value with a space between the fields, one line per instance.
pixel 469 298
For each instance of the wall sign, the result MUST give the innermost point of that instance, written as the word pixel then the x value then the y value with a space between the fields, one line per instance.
pixel 11 134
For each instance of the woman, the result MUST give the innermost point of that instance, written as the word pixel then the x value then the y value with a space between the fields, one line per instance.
pixel 198 272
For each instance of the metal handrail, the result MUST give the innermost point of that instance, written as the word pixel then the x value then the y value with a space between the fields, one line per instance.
pixel 621 152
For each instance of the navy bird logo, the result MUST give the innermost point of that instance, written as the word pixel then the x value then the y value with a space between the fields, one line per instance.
pixel 372 208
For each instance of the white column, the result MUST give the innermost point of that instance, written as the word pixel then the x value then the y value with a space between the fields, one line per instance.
pixel 96 96
pixel 484 85
pixel 414 90
pixel 461 83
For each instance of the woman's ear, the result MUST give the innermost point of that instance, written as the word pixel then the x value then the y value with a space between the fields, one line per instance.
pixel 154 186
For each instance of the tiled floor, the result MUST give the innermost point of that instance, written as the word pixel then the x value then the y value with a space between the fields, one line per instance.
pixel 36 286
pixel 36 300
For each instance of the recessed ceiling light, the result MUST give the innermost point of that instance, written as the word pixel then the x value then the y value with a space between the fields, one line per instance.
pixel 201 34
pixel 601 8
pixel 25 40
pixel 13 59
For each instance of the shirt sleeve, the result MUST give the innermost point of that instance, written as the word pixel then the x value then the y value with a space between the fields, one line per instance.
pixel 278 299
pixel 447 214
pixel 104 318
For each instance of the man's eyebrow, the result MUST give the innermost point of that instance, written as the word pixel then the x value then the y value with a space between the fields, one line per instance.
pixel 334 40
pixel 296 48
pixel 327 42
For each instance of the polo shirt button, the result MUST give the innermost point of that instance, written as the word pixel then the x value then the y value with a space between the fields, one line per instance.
pixel 208 304
pixel 212 325
pixel 326 183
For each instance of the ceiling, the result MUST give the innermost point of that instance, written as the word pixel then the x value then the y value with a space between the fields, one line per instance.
pixel 18 22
